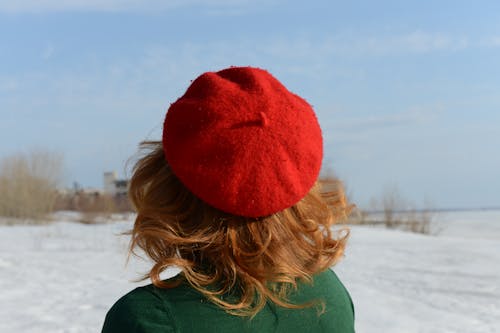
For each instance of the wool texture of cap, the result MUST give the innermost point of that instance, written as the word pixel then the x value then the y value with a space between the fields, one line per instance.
pixel 242 143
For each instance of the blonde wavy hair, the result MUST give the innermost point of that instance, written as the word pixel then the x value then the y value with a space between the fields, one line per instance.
pixel 256 259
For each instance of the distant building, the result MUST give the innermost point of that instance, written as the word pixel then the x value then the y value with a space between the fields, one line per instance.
pixel 113 185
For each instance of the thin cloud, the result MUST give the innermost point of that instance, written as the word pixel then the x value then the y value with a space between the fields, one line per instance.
pixel 358 131
pixel 413 116
pixel 416 42
pixel 491 41
pixel 349 45
pixel 421 42
pixel 27 6
pixel 48 52
pixel 8 84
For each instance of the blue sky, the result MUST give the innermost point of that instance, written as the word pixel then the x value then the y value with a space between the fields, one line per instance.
pixel 407 92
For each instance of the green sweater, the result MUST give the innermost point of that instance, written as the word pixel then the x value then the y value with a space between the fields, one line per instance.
pixel 182 309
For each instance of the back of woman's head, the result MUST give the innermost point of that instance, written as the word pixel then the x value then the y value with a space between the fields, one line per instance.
pixel 230 195
pixel 259 258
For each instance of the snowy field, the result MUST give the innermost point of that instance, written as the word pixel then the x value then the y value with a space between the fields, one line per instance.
pixel 63 277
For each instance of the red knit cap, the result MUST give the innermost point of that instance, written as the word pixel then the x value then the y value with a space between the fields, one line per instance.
pixel 243 143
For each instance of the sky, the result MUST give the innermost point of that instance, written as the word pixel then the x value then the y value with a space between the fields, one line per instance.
pixel 407 92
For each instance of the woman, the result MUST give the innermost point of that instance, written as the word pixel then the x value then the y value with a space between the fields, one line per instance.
pixel 230 196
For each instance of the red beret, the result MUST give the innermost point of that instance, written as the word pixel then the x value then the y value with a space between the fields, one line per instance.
pixel 243 143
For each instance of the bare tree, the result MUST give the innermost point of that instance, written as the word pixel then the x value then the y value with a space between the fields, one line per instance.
pixel 392 203
pixel 28 183
pixel 401 214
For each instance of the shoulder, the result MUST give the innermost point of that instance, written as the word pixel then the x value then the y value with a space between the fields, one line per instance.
pixel 139 311
pixel 336 294
pixel 336 310
pixel 336 289
pixel 330 278
pixel 325 283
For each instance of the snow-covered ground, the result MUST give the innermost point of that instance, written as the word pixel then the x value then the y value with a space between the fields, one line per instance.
pixel 63 277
